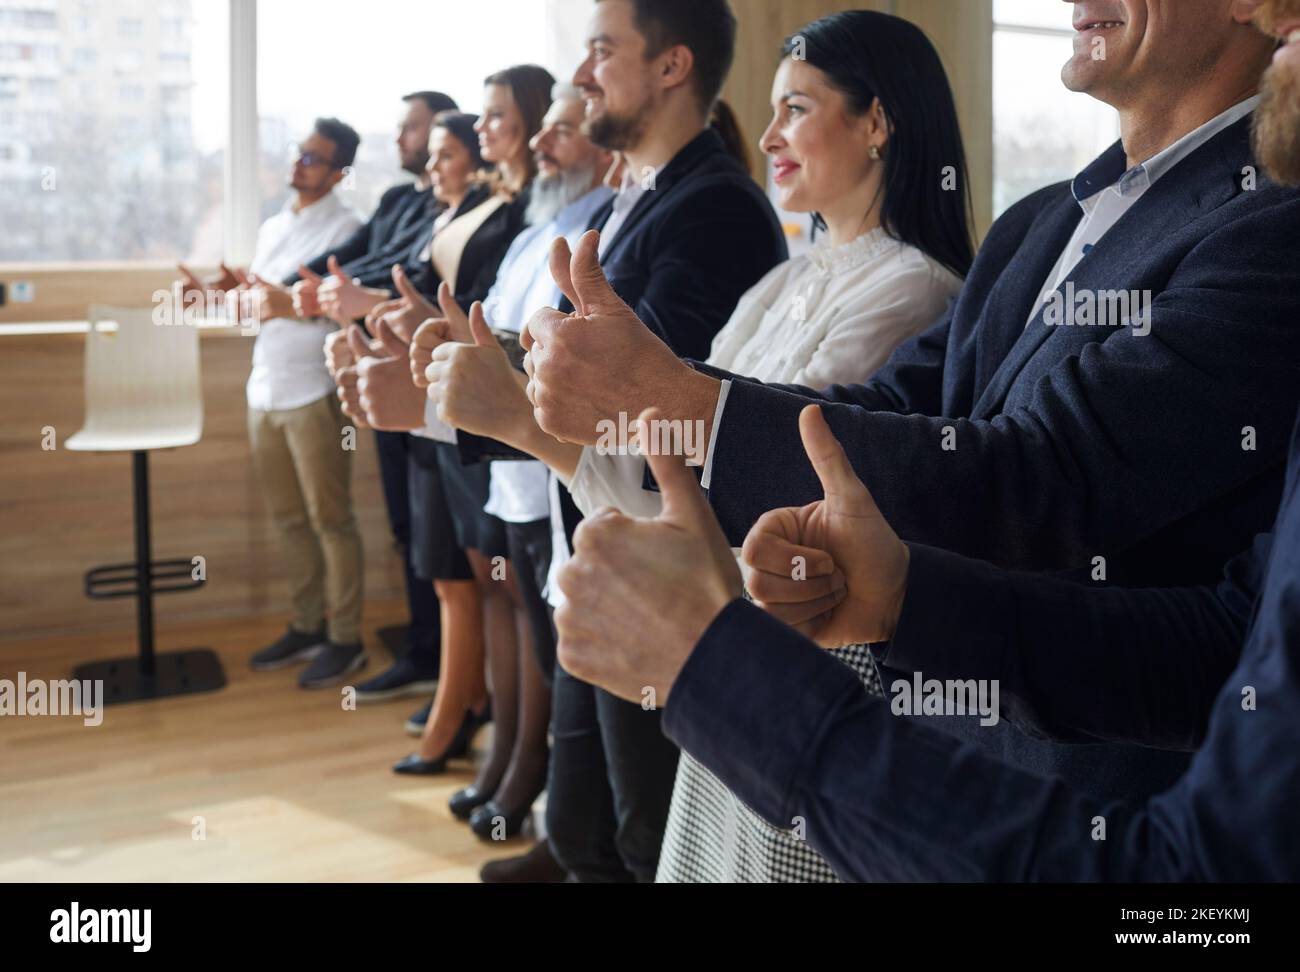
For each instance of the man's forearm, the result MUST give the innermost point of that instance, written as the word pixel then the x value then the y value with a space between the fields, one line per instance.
pixel 1077 661
pixel 881 797
pixel 519 430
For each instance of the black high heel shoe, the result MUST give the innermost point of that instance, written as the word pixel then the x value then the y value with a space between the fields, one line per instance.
pixel 484 820
pixel 464 802
pixel 413 765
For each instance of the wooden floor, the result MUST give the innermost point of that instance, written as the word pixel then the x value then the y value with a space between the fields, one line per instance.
pixel 289 785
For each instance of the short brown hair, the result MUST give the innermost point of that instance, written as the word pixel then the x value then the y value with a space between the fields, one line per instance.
pixel 706 27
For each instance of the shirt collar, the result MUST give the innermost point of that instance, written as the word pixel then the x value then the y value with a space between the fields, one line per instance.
pixel 327 205
pixel 1109 170
pixel 580 210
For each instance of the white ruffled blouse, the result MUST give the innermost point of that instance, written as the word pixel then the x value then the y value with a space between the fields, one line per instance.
pixel 830 317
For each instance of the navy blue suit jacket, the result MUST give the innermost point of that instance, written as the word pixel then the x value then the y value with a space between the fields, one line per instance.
pixel 1073 442
pixel 404 211
pixel 1162 454
pixel 886 798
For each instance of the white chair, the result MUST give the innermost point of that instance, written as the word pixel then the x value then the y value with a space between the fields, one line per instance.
pixel 143 393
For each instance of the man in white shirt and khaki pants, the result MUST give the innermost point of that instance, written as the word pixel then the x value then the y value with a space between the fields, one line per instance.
pixel 297 429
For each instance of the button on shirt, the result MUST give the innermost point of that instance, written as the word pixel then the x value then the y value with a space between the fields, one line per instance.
pixel 289 355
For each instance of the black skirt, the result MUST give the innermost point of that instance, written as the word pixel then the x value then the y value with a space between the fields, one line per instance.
pixel 466 489
pixel 435 552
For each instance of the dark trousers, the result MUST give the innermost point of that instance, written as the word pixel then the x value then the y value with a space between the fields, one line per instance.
pixel 425 633
pixel 610 784
pixel 530 555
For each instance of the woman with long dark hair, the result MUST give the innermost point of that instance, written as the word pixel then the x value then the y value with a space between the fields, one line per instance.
pixel 864 136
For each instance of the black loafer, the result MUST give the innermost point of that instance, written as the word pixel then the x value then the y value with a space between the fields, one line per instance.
pixel 485 820
pixel 464 802
pixel 413 765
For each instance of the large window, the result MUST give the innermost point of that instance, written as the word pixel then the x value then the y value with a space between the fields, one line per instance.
pixel 114 113
pixel 1042 133
pixel 399 46
pixel 101 156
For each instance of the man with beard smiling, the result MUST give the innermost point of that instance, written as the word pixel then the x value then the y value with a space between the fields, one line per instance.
pixel 686 234
pixel 885 798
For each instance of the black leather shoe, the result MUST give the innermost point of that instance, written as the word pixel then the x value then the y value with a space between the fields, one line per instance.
pixel 413 765
pixel 459 748
pixel 485 820
pixel 469 727
pixel 538 866
pixel 464 802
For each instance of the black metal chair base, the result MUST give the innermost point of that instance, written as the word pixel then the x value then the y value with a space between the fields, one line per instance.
pixel 187 672
pixel 123 580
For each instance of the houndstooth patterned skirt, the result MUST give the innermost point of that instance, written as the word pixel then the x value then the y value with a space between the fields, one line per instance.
pixel 713 837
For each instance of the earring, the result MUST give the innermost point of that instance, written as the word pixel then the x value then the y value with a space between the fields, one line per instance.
pixel 874 153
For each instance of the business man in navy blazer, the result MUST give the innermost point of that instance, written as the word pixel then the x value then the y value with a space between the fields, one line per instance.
pixel 884 798
pixel 790 730
pixel 1147 451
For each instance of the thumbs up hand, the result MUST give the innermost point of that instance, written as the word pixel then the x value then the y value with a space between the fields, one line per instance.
pixel 834 570
pixel 376 390
pixel 473 386
pixel 641 592
pixel 305 291
pixel 601 360
pixel 343 298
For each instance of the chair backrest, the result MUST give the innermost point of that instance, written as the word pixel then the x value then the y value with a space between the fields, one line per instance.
pixel 142 382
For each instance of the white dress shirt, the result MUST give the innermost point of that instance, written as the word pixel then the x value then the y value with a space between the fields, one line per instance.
pixel 289 355
pixel 625 200
pixel 524 285
pixel 832 316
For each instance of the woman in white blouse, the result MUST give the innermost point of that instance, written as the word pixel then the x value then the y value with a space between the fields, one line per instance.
pixel 864 136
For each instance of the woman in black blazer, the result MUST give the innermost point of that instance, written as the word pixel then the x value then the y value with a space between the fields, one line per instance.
pixel 455 543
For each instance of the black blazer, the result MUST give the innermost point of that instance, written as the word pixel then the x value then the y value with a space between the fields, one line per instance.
pixel 1074 442
pixel 482 255
pixel 685 255
pixel 404 211
pixel 692 246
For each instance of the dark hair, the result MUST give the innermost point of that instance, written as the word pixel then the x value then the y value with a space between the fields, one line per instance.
pixel 727 125
pixel 460 125
pixel 344 137
pixel 706 27
pixel 436 101
pixel 530 85
pixel 867 55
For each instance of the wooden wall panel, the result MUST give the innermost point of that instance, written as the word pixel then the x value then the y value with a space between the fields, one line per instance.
pixel 62 512
pixel 63 291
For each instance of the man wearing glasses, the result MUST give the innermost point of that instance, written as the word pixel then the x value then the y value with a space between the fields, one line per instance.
pixel 296 426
